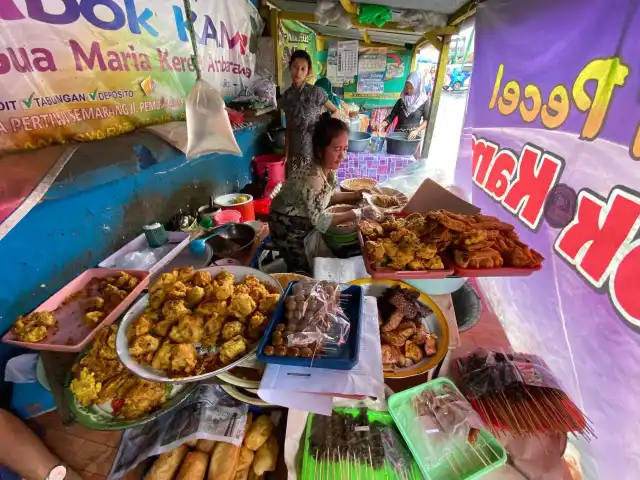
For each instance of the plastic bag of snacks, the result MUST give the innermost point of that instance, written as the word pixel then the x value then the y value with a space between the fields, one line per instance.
pixel 314 316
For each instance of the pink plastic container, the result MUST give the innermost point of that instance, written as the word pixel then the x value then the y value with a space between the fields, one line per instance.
pixel 273 164
pixel 72 335
pixel 227 216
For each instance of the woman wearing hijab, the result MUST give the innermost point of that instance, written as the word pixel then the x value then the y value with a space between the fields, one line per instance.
pixel 412 110
pixel 302 104
pixel 325 84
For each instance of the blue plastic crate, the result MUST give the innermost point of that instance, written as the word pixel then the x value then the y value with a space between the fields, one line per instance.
pixel 348 355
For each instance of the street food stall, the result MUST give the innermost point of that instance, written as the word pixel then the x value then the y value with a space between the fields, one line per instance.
pixel 149 330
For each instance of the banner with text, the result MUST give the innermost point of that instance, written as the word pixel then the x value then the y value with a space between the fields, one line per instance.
pixel 86 70
pixel 552 143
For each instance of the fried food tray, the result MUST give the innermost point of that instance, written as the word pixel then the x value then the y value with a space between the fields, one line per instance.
pixel 451 268
pixel 352 300
pixel 391 274
pixel 71 335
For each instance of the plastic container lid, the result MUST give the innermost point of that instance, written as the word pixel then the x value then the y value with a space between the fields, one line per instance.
pixel 465 462
pixel 227 216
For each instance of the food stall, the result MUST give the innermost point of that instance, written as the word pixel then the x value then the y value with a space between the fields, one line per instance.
pixel 178 358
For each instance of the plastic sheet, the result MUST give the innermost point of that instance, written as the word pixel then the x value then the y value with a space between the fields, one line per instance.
pixel 208 126
pixel 332 12
pixel 421 20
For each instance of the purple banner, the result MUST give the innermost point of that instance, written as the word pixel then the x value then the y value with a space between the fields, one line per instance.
pixel 552 143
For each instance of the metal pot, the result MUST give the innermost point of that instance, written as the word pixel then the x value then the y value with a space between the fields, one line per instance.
pixel 277 137
pixel 398 143
pixel 359 141
pixel 236 242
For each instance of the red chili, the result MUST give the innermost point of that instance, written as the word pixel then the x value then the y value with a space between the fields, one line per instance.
pixel 117 404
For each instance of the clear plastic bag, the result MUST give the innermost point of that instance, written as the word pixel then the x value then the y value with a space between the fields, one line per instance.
pixel 208 126
pixel 315 318
pixel 332 12
pixel 421 20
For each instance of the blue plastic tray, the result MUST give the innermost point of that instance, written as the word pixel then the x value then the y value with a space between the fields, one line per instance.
pixel 348 356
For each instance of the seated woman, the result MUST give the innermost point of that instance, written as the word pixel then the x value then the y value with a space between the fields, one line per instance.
pixel 412 110
pixel 301 205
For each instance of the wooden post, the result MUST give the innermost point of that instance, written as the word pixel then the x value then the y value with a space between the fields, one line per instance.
pixel 436 93
pixel 274 23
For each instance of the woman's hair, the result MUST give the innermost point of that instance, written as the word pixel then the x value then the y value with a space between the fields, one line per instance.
pixel 324 132
pixel 301 54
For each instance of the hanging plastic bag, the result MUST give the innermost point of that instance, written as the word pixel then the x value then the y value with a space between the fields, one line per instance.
pixel 208 126
pixel 421 20
pixel 332 12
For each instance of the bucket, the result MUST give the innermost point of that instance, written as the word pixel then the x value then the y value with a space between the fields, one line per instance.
pixel 226 202
pixel 274 164
pixel 227 216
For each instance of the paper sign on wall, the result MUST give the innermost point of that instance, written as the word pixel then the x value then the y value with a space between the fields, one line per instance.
pixel 347 59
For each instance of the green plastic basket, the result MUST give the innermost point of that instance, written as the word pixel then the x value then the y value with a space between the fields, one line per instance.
pixel 465 462
pixel 314 470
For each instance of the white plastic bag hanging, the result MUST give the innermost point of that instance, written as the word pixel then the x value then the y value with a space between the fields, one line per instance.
pixel 208 126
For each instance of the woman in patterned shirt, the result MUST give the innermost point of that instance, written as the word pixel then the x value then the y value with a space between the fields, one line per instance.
pixel 302 104
pixel 301 205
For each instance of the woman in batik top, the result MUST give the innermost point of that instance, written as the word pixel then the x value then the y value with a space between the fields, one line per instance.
pixel 302 104
pixel 301 205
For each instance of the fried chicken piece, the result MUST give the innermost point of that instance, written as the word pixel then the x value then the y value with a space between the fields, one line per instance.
pixel 488 258
pixel 144 397
pixel 391 224
pixel 232 349
pixel 143 345
pixel 390 354
pixel 419 338
pixel 269 303
pixel 392 338
pixel 523 257
pixel 194 296
pixel 190 329
pixel 431 345
pixel 417 223
pixel 176 291
pixel 212 328
pixel 232 329
pixel 140 326
pixel 201 278
pixel 157 299
pixel 394 320
pixel 425 252
pixel 173 310
pixel 413 351
pixel 440 237
pixel 216 307
pixel 371 230
pixel 85 387
pixel 184 358
pixel 93 318
pixel 405 330
pixel 487 222
pixel 375 250
pixel 114 384
pixel 93 304
pixel 162 358
pixel 404 238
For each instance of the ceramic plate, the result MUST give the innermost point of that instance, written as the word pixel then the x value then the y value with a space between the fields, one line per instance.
pixel 154 375
pixel 434 323
pixel 100 417
pixel 245 396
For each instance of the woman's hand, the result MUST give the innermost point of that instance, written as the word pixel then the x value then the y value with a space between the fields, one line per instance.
pixel 383 126
pixel 415 133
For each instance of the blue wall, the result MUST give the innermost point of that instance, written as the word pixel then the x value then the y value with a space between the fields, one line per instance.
pixel 106 193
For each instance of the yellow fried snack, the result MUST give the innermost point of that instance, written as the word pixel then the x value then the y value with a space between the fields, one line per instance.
pixel 218 307
pixel 143 345
pixel 94 303
pixel 232 349
pixel 85 388
pixel 174 310
pixel 201 278
pixel 242 305
pixel 231 329
pixel 212 328
pixel 142 398
pixel 189 329
pixel 162 358
pixel 93 318
pixel 184 358
pixel 157 299
pixel 176 291
pixel 194 296
pixel 225 277
pixel 33 328
pixel 268 303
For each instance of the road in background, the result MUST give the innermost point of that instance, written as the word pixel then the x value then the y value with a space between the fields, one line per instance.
pixel 446 137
